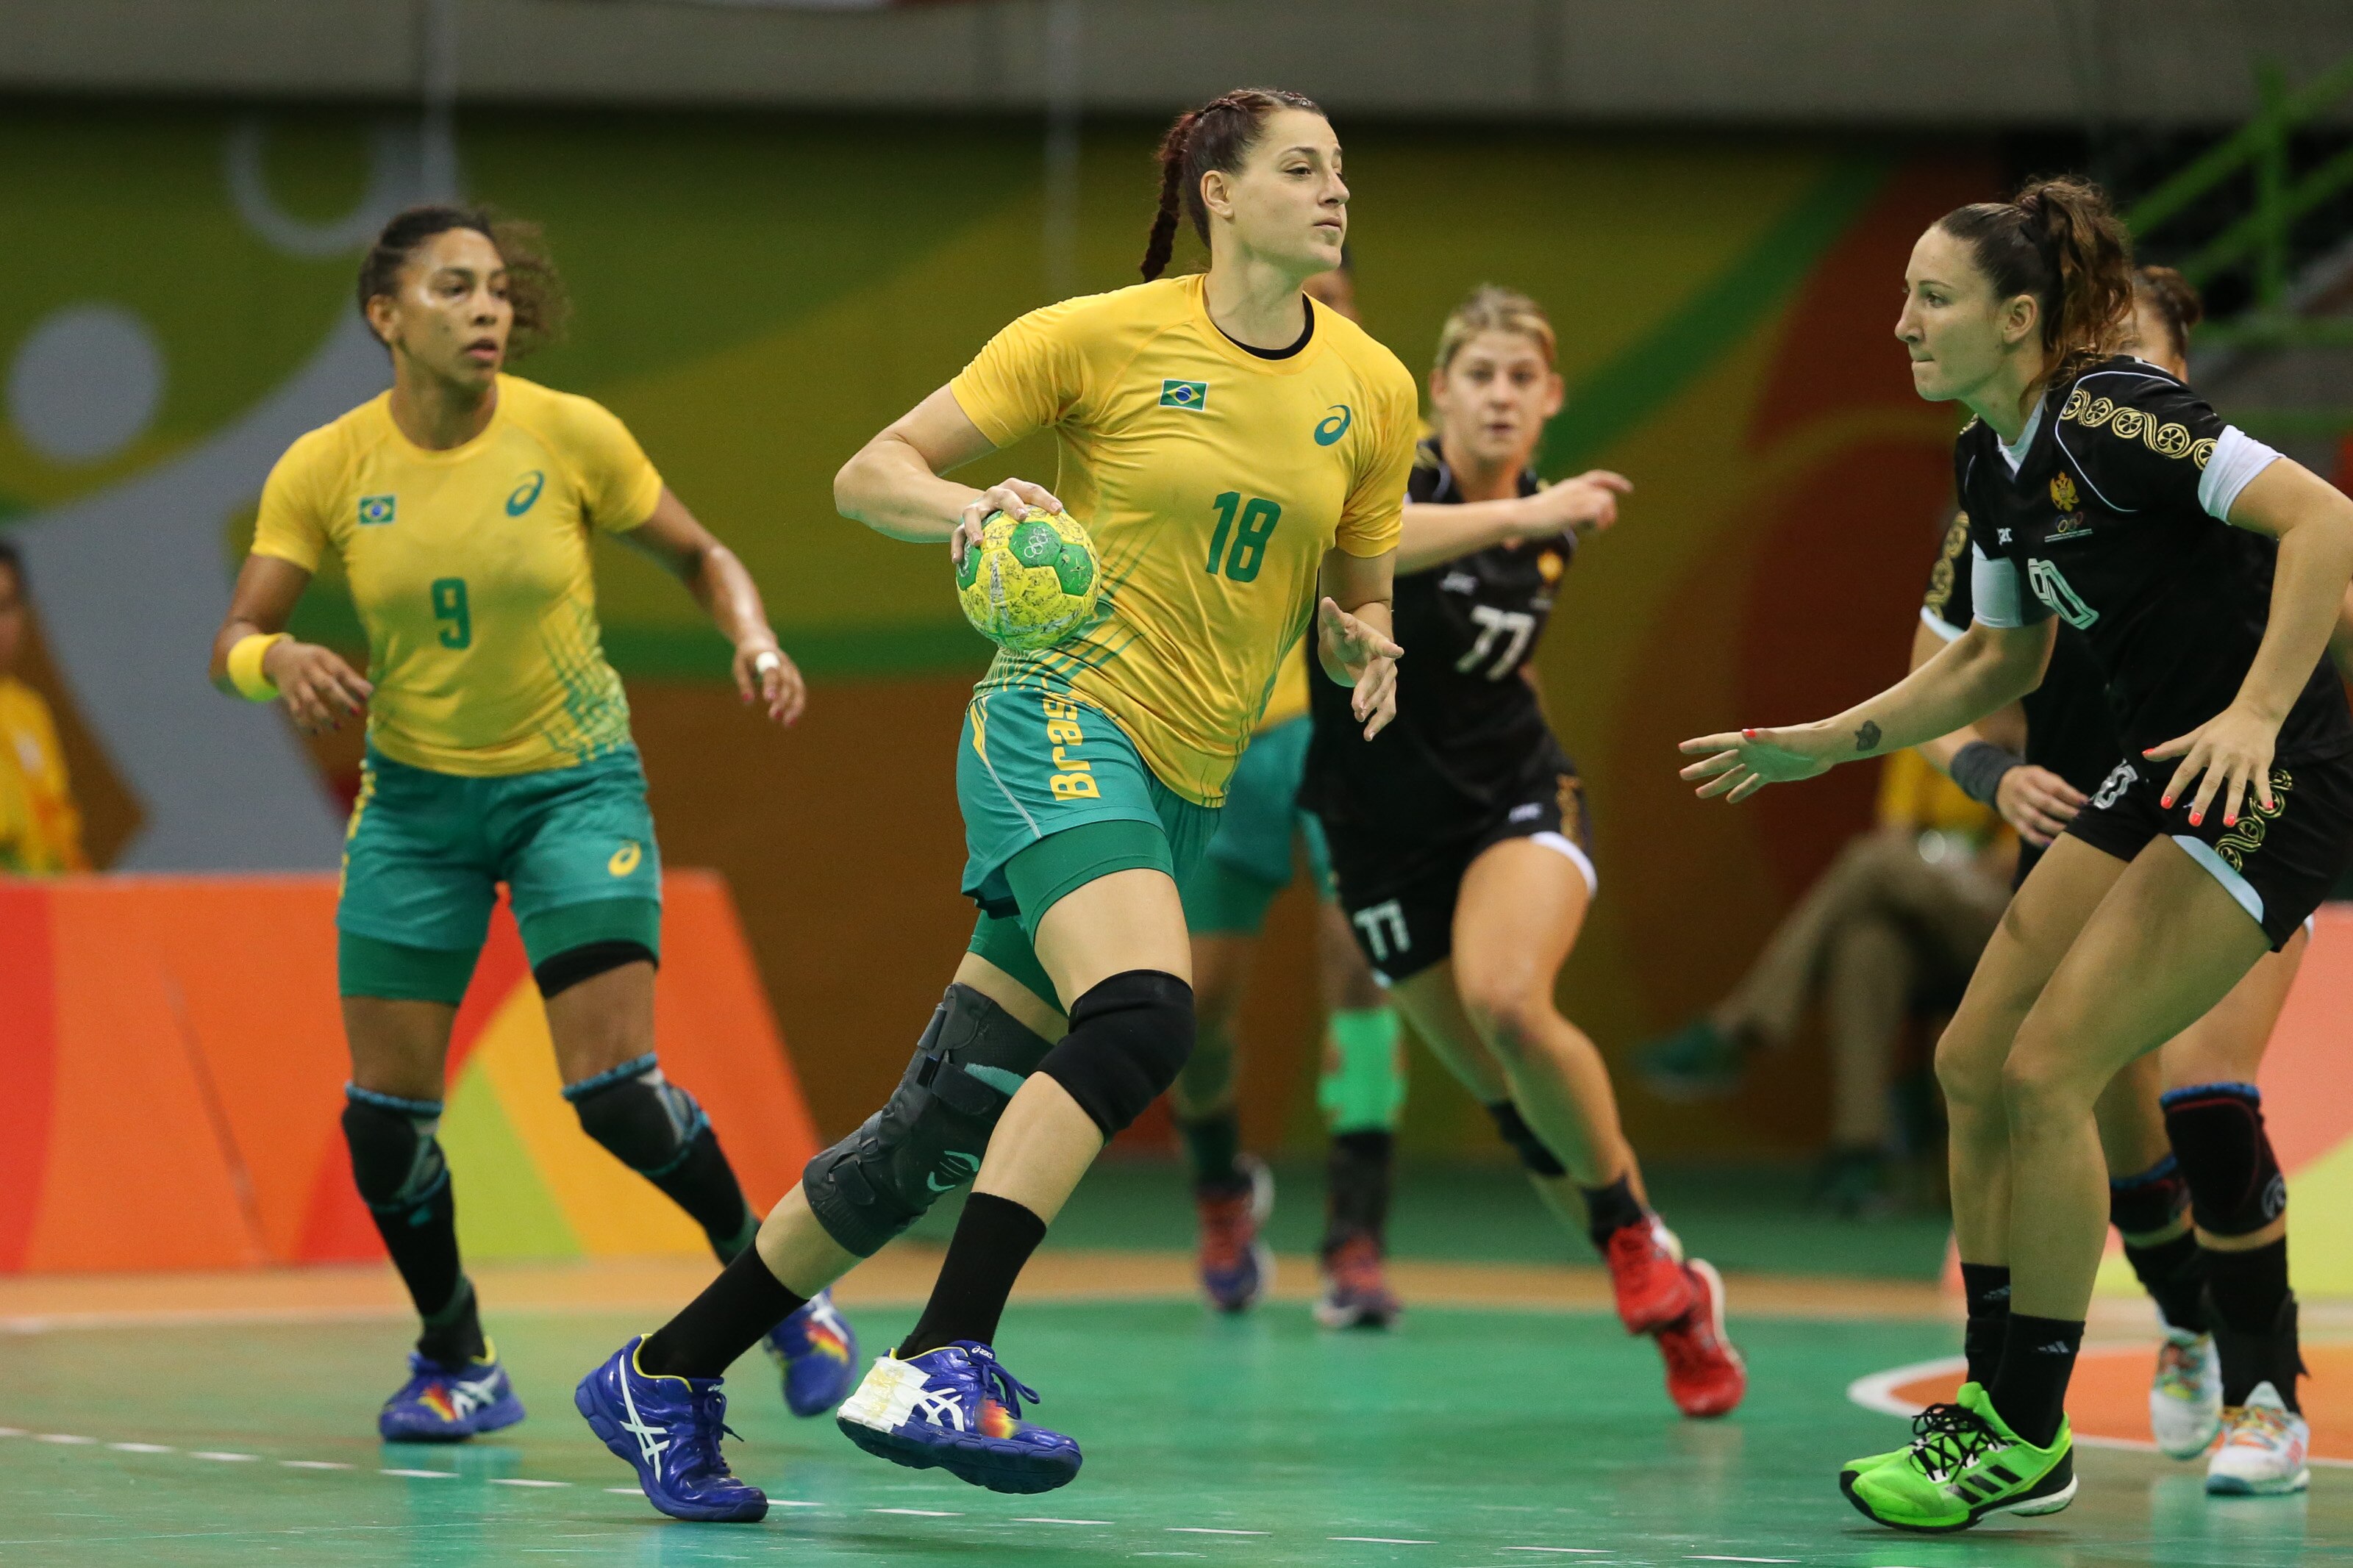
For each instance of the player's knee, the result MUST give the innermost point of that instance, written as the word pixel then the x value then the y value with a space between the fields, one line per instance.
pixel 646 1121
pixel 929 1138
pixel 1129 1037
pixel 2150 1201
pixel 1968 1070
pixel 2236 1186
pixel 1521 1140
pixel 2040 1083
pixel 1510 1016
pixel 395 1158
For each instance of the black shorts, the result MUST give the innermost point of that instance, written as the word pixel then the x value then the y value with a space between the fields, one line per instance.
pixel 1399 896
pixel 2278 865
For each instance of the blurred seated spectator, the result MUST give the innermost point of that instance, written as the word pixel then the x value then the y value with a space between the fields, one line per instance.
pixel 1887 936
pixel 40 826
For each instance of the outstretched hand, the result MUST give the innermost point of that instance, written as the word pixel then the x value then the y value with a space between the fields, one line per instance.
pixel 1358 653
pixel 764 675
pixel 1017 499
pixel 320 690
pixel 1738 764
pixel 2232 752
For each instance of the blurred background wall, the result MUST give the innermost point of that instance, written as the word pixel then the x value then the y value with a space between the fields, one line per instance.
pixel 782 228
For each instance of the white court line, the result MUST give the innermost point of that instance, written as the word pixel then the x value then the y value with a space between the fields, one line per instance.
pixel 1877 1392
pixel 60 1437
pixel 14 1432
pixel 773 1502
pixel 1204 1529
pixel 1712 1557
pixel 1019 1520
pixel 627 1491
pixel 918 1513
pixel 305 1464
pixel 423 1475
pixel 220 1457
pixel 523 1481
pixel 1381 1540
pixel 1578 1550
pixel 143 1448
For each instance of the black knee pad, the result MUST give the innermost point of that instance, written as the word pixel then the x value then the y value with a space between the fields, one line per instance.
pixel 1514 1130
pixel 1129 1038
pixel 2150 1201
pixel 2236 1187
pixel 929 1138
pixel 565 970
pixel 395 1160
pixel 648 1122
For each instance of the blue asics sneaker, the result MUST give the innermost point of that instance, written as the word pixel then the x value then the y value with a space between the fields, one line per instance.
pixel 445 1405
pixel 668 1428
pixel 957 1408
pixel 815 1350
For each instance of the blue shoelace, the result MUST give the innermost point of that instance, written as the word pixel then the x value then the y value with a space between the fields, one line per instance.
pixel 698 1447
pixel 1007 1389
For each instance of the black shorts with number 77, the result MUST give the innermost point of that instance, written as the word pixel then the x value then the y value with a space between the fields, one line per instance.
pixel 2278 864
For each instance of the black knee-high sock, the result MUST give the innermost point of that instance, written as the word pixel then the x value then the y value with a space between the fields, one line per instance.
pixel 422 1237
pixel 2030 1389
pixel 453 1336
pixel 2253 1319
pixel 745 1301
pixel 1212 1145
pixel 993 1239
pixel 703 1183
pixel 1357 1198
pixel 1985 1286
pixel 1610 1209
pixel 2174 1274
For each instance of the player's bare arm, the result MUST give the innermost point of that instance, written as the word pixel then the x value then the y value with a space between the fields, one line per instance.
pixel 320 690
pixel 720 583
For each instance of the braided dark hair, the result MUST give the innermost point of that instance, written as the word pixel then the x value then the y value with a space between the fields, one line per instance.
pixel 535 289
pixel 2060 241
pixel 1217 135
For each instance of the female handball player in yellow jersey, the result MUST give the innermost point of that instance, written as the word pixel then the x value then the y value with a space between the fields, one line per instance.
pixel 463 502
pixel 1230 446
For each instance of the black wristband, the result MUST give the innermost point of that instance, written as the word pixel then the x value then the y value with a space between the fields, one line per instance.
pixel 1978 768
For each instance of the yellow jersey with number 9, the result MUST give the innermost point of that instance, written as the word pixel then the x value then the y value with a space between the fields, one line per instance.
pixel 471 571
pixel 1213 479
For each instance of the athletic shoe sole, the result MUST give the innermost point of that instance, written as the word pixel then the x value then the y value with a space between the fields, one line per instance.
pixel 608 1431
pixel 981 1461
pixel 2030 1507
pixel 2234 1486
pixel 1711 1289
pixel 1334 1314
pixel 508 1412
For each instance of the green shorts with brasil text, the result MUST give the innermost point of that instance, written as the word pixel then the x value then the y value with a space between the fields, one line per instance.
pixel 1033 766
pixel 426 850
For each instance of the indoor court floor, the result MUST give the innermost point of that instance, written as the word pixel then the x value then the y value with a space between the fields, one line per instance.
pixel 228 1419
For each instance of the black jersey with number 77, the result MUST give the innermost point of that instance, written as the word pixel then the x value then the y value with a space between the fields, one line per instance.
pixel 1468 722
pixel 2109 515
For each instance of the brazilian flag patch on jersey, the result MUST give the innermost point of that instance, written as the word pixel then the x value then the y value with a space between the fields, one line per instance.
pixel 376 511
pixel 1193 395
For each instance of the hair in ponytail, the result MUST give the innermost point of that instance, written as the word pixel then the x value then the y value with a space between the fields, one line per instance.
pixel 1217 135
pixel 2060 241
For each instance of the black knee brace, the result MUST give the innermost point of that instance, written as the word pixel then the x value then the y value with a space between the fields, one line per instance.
pixel 1129 1038
pixel 561 971
pixel 1516 1131
pixel 930 1137
pixel 648 1122
pixel 2149 1200
pixel 2236 1186
pixel 395 1160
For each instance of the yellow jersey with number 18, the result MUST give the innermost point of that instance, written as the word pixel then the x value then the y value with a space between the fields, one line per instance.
pixel 1213 479
pixel 469 568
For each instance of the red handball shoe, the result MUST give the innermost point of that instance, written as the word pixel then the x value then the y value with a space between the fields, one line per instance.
pixel 1646 1268
pixel 1705 1375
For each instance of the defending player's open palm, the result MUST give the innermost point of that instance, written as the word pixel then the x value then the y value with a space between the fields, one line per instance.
pixel 2233 752
pixel 1738 763
pixel 1360 655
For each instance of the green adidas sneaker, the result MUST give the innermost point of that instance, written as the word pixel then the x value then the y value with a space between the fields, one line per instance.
pixel 1964 1464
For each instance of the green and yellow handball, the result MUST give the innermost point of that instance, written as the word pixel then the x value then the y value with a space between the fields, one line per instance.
pixel 1029 585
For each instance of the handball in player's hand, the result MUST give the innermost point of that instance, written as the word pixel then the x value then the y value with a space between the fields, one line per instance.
pixel 1031 582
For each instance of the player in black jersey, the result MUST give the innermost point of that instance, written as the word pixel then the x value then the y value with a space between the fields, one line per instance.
pixel 2202 1082
pixel 1459 835
pixel 2204 572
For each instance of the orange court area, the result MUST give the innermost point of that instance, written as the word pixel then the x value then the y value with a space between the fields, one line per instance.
pixel 176 1060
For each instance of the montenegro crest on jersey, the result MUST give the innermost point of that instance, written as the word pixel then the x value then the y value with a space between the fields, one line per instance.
pixel 2063 491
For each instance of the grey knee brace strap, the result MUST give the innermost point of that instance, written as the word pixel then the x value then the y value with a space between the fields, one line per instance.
pixel 395 1158
pixel 929 1138
pixel 648 1123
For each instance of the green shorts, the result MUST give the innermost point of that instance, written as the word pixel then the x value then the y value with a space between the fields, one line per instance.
pixel 1033 767
pixel 425 852
pixel 1249 862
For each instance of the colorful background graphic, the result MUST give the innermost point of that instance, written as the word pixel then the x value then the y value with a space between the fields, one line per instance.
pixel 175 1082
pixel 756 295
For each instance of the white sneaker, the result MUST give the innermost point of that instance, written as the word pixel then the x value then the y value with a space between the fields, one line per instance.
pixel 2185 1397
pixel 2263 1451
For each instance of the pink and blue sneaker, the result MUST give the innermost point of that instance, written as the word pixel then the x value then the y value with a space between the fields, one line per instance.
pixel 667 1428
pixel 957 1409
pixel 449 1404
pixel 815 1351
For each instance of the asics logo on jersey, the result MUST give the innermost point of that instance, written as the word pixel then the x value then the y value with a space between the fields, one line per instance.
pixel 375 511
pixel 625 859
pixel 1333 426
pixel 521 500
pixel 1192 395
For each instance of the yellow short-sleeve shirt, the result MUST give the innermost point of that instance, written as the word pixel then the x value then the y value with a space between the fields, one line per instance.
pixel 40 826
pixel 1213 481
pixel 471 571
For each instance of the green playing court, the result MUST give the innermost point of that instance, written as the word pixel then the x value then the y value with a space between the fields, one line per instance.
pixel 1470 1437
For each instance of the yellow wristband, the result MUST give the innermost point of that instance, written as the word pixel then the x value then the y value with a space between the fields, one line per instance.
pixel 245 667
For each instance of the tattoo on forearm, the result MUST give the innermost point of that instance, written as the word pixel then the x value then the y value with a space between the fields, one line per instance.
pixel 1867 737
